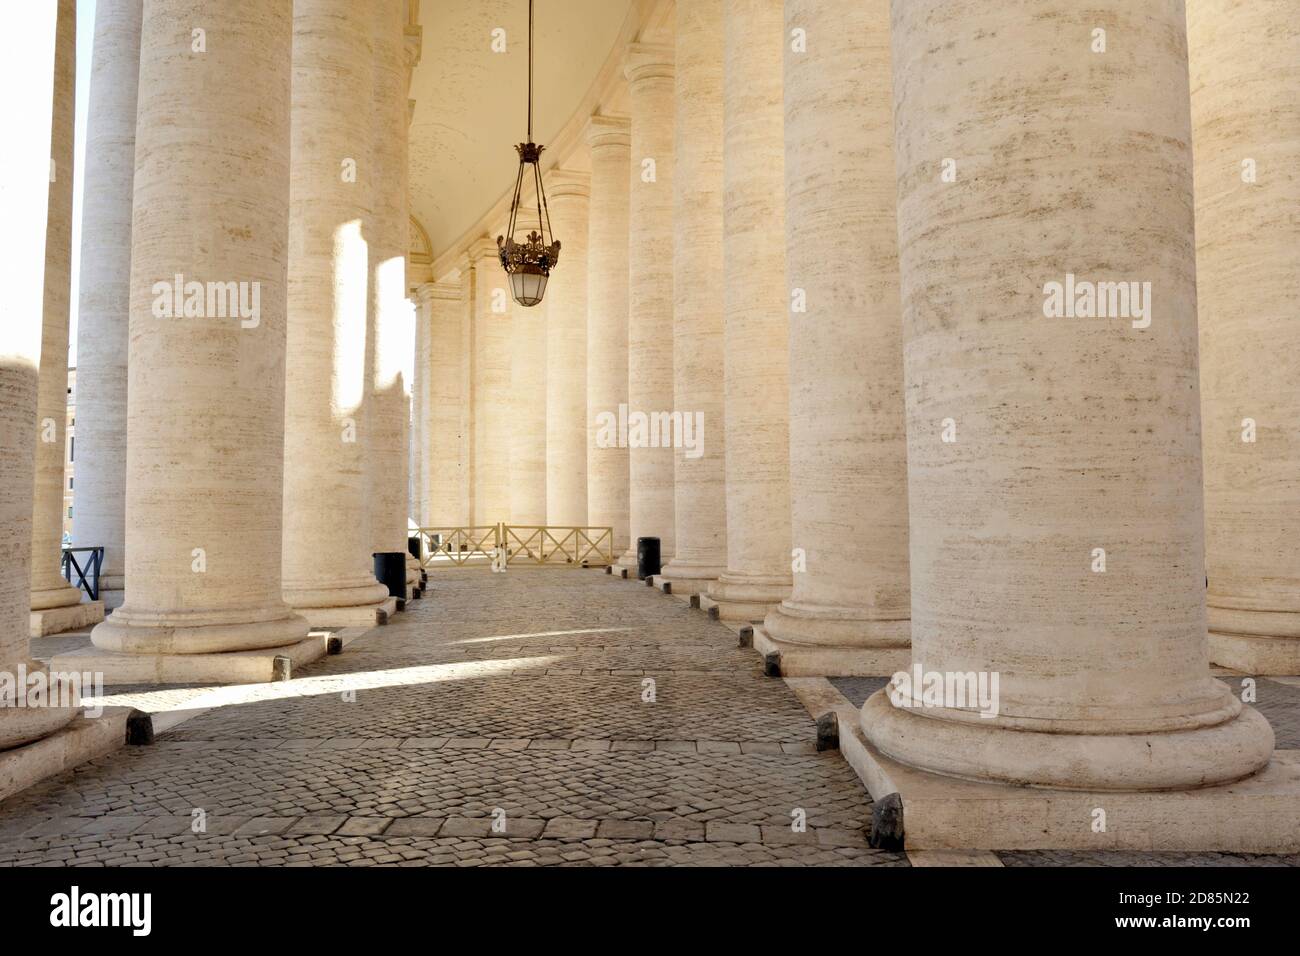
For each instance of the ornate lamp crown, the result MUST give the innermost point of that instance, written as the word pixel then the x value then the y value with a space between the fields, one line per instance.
pixel 528 262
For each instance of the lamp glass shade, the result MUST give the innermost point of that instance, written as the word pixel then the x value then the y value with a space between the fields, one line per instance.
pixel 528 287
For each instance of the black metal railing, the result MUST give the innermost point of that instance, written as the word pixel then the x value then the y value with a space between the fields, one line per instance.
pixel 88 576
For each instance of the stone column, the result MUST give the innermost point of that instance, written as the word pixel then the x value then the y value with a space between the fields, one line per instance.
pixel 392 338
pixel 757 304
pixel 607 323
pixel 466 365
pixel 1046 446
pixel 492 407
pixel 850 607
pixel 526 425
pixel 418 446
pixel 205 398
pixel 99 518
pixel 328 570
pixel 27 63
pixel 698 388
pixel 650 299
pixel 56 605
pixel 1245 82
pixel 568 195
pixel 446 466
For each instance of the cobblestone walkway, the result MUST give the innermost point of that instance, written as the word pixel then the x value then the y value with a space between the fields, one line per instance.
pixel 544 717
pixel 534 717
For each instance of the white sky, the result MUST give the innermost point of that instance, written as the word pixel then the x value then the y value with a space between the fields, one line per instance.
pixel 85 44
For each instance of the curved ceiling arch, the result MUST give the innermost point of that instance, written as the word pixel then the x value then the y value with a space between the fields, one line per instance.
pixel 470 102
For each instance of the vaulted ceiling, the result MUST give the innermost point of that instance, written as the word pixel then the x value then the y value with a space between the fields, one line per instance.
pixel 470 102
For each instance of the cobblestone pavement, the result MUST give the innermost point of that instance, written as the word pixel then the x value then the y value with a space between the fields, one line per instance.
pixel 531 718
pixel 547 717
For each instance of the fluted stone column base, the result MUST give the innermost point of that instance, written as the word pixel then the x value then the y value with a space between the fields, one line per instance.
pixel 56 610
pixel 1257 814
pixel 68 617
pixel 1261 643
pixel 80 739
pixel 747 598
pixel 1224 743
pixel 683 577
pixel 203 632
pixel 260 666
pixel 816 640
pixel 25 724
pixel 364 605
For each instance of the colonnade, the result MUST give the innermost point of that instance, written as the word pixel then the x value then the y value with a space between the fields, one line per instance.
pixel 844 241
pixel 245 332
pixel 908 457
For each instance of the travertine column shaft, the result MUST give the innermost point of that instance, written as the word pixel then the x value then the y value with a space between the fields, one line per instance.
pixel 392 337
pixel 568 195
pixel 1245 82
pixel 99 518
pixel 205 400
pixel 446 462
pixel 650 300
pixel 492 404
pixel 700 499
pixel 757 306
pixel 49 588
pixel 526 427
pixel 27 58
pixel 848 446
pixel 328 571
pixel 607 323
pixel 418 445
pixel 1043 445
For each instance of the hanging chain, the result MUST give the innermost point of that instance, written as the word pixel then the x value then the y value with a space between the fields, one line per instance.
pixel 530 71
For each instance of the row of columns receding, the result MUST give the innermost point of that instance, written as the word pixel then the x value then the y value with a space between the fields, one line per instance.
pixel 831 234
pixel 905 458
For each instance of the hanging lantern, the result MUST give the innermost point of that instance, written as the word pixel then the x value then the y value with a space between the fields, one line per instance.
pixel 528 261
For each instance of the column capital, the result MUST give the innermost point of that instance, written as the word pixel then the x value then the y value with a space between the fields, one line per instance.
pixel 648 61
pixel 445 289
pixel 609 131
pixel 567 183
pixel 485 247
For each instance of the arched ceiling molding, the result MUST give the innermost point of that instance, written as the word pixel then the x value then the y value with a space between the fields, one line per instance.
pixel 646 20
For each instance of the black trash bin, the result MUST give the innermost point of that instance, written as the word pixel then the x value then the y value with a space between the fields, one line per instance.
pixel 413 545
pixel 647 558
pixel 390 571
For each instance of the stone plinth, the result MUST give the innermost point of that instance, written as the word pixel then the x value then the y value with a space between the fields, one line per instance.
pixel 1260 814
